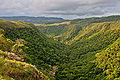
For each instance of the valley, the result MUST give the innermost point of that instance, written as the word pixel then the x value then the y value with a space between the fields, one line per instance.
pixel 79 49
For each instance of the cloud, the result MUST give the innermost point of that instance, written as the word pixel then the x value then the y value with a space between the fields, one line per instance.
pixel 60 8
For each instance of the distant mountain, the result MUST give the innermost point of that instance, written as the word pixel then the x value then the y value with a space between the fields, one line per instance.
pixel 32 19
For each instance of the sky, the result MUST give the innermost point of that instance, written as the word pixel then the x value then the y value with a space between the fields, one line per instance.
pixel 68 9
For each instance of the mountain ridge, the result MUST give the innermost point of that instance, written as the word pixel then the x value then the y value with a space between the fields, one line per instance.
pixel 32 19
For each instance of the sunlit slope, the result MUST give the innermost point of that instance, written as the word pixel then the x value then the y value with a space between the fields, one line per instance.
pixel 96 36
pixel 16 70
pixel 109 61
pixel 95 29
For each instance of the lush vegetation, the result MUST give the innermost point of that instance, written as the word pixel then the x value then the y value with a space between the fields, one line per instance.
pixel 81 49
pixel 12 66
pixel 85 38
pixel 71 32
pixel 109 61
pixel 82 57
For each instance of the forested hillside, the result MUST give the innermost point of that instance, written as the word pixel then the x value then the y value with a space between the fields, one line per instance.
pixel 109 61
pixel 68 33
pixel 81 49
pixel 12 56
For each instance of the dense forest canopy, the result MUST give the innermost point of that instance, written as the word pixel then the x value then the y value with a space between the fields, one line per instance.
pixel 80 49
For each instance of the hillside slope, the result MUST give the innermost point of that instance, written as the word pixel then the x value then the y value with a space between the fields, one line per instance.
pixel 109 61
pixel 12 66
pixel 69 33
pixel 97 34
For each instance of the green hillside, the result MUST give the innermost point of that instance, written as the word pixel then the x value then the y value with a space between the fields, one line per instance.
pixel 81 49
pixel 12 66
pixel 68 33
pixel 96 36
pixel 109 61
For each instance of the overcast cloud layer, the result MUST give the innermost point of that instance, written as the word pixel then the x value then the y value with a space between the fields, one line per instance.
pixel 60 8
